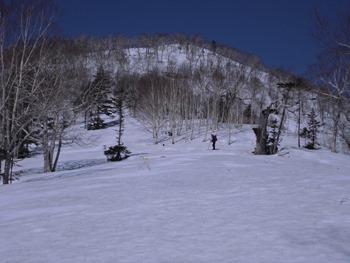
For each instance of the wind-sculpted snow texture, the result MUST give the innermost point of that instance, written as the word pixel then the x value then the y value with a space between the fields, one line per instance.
pixel 179 203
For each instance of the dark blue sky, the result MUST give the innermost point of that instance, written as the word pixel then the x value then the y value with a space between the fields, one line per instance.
pixel 278 31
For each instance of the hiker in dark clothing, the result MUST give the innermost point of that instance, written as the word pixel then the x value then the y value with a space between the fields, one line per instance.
pixel 213 140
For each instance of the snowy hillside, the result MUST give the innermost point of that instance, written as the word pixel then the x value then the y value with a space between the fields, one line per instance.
pixel 179 203
pixel 167 58
pixel 218 81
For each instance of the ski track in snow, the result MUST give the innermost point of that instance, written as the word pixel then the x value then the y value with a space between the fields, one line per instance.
pixel 179 203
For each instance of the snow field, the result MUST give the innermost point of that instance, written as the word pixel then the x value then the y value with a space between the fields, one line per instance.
pixel 179 203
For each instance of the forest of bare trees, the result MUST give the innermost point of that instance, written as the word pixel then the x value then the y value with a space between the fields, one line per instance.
pixel 37 84
pixel 176 86
pixel 332 74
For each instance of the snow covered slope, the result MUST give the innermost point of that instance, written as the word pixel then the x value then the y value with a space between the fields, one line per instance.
pixel 179 203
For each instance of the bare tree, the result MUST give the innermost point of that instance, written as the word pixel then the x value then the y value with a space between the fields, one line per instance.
pixel 173 92
pixel 202 81
pixel 54 123
pixel 333 70
pixel 151 107
pixel 261 131
pixel 287 95
pixel 24 41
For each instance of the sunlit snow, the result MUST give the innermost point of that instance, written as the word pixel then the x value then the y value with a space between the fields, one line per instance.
pixel 179 203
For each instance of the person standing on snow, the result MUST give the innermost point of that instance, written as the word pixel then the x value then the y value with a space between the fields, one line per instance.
pixel 213 140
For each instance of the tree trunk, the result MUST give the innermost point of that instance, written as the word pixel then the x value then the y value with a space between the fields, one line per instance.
pixel 280 127
pixel 59 147
pixel 261 132
pixel 7 171
pixel 335 132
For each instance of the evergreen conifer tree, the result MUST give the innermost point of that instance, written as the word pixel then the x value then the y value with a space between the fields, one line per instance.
pixel 99 100
pixel 118 152
pixel 311 131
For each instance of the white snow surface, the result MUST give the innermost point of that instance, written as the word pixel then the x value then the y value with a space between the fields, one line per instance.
pixel 179 203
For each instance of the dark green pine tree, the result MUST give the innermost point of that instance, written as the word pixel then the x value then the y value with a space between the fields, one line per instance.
pixel 99 99
pixel 119 151
pixel 312 130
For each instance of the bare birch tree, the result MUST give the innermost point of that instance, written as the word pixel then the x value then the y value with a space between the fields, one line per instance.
pixel 333 71
pixel 151 108
pixel 57 98
pixel 24 38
